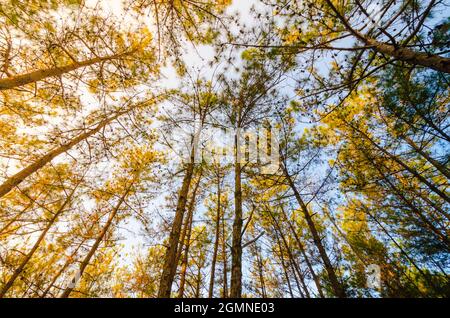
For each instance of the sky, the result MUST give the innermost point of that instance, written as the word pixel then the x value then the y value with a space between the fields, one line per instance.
pixel 196 59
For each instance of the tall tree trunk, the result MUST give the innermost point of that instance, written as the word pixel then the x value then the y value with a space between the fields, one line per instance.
pixel 66 293
pixel 216 242
pixel 16 179
pixel 291 256
pixel 224 259
pixel 283 265
pixel 198 282
pixel 184 262
pixel 303 251
pixel 35 76
pixel 294 273
pixel 260 272
pixel 236 249
pixel 41 237
pixel 170 261
pixel 335 284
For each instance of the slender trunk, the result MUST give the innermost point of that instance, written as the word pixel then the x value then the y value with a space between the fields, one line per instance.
pixel 216 242
pixel 198 282
pixel 283 265
pixel 294 272
pixel 35 76
pixel 16 179
pixel 303 251
pixel 30 254
pixel 99 239
pixel 170 264
pixel 337 287
pixel 260 272
pixel 184 261
pixel 236 249
pixel 291 256
pixel 181 244
pixel 224 259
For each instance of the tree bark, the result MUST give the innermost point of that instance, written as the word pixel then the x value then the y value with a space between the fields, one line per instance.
pixel 291 256
pixel 236 249
pixel 170 264
pixel 184 262
pixel 260 272
pixel 302 250
pixel 35 76
pixel 224 259
pixel 216 242
pixel 337 287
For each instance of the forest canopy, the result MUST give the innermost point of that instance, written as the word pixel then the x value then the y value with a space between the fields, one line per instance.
pixel 224 148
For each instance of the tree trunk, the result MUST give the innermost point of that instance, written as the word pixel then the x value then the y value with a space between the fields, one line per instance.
pixel 303 251
pixel 283 265
pixel 294 273
pixel 198 282
pixel 35 76
pixel 236 249
pixel 184 262
pixel 337 287
pixel 291 256
pixel 170 264
pixel 216 243
pixel 428 60
pixel 224 259
pixel 260 272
